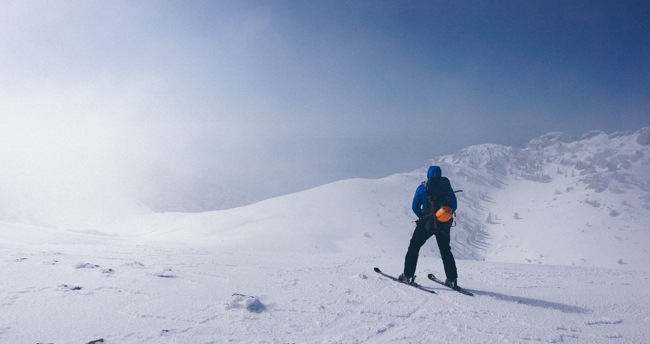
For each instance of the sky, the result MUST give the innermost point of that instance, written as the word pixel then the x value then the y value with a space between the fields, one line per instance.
pixel 102 101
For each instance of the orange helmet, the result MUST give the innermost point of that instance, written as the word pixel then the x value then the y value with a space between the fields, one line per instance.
pixel 444 213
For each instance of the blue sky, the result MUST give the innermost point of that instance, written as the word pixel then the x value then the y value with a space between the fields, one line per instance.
pixel 273 97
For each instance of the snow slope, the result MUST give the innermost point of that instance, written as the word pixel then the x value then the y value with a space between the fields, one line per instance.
pixel 364 216
pixel 82 288
pixel 582 203
pixel 303 262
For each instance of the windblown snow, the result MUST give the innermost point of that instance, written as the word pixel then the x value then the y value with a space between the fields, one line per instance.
pixel 552 239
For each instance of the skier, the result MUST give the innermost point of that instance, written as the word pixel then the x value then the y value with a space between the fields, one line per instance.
pixel 436 192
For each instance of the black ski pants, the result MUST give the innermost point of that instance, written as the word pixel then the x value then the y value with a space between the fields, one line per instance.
pixel 420 236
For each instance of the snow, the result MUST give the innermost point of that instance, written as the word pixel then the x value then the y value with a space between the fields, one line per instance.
pixel 141 293
pixel 299 268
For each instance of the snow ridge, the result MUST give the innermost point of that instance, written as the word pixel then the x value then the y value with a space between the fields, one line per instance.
pixel 526 200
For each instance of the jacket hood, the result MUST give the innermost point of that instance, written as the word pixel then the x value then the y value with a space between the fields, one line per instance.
pixel 434 171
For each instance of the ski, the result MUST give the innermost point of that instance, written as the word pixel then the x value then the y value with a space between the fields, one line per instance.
pixel 415 285
pixel 458 289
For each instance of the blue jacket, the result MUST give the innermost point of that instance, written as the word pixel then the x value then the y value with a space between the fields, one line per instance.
pixel 420 203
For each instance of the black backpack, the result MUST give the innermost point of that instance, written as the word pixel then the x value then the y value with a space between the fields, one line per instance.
pixel 439 193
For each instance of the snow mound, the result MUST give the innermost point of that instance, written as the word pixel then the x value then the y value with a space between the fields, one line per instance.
pixel 248 302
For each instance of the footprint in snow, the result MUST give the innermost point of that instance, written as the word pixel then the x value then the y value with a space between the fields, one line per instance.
pixel 166 273
pixel 604 321
pixel 66 287
pixel 96 341
pixel 85 266
pixel 135 263
pixel 92 266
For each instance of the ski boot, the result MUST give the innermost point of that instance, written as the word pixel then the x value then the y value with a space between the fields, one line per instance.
pixel 405 279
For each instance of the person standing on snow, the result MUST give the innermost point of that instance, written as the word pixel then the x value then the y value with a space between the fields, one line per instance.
pixel 434 204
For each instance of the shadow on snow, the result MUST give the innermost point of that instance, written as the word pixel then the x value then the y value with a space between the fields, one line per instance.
pixel 533 302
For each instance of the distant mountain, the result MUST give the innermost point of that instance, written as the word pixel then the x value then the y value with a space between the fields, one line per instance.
pixel 556 201
pixel 193 197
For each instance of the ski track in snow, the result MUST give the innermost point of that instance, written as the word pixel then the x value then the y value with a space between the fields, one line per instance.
pixel 135 293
